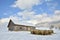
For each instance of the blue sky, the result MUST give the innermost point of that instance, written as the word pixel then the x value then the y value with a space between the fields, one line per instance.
pixel 23 10
pixel 5 7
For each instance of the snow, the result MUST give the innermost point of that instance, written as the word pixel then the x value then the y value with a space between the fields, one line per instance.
pixel 47 28
pixel 43 28
pixel 3 27
pixel 26 35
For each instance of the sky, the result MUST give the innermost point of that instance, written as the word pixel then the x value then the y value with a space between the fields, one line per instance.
pixel 29 12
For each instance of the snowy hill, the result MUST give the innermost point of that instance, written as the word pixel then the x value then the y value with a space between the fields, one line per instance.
pixel 48 24
pixel 25 35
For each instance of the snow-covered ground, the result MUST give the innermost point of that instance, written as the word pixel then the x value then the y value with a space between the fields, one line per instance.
pixel 25 35
pixel 43 28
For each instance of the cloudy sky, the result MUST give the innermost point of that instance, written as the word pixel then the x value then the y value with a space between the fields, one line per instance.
pixel 29 12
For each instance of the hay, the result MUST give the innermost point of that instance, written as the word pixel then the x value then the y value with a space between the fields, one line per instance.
pixel 42 32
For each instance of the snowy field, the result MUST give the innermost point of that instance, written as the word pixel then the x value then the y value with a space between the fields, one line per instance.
pixel 25 35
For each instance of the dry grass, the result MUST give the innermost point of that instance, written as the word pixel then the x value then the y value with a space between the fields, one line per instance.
pixel 42 32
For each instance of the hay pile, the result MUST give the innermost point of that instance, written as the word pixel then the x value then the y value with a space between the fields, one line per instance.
pixel 42 32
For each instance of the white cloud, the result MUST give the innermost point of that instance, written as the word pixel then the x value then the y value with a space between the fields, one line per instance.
pixel 25 17
pixel 51 6
pixel 53 18
pixel 15 19
pixel 26 14
pixel 56 16
pixel 31 18
pixel 39 18
pixel 6 20
pixel 33 21
pixel 48 0
pixel 3 20
pixel 26 4
pixel 57 12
